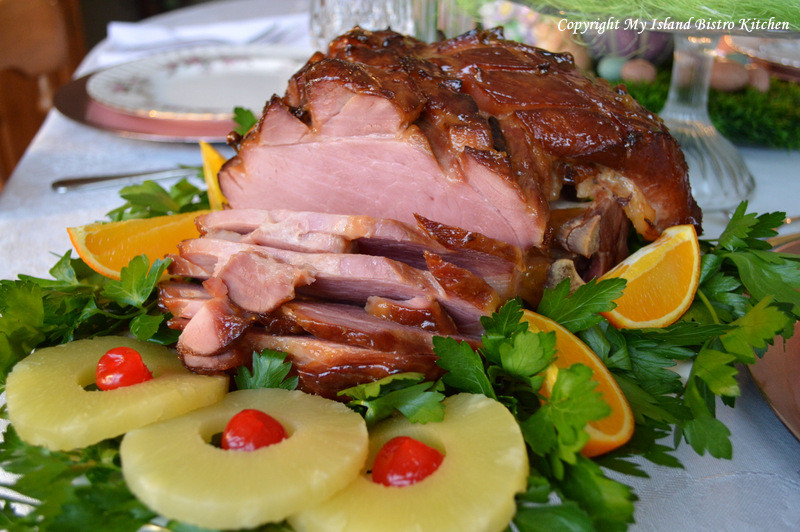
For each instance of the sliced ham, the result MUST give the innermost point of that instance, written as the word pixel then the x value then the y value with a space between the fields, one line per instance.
pixel 400 190
pixel 258 283
pixel 499 263
pixel 213 328
pixel 345 277
pixel 326 367
pixel 353 325
pixel 181 299
pixel 423 312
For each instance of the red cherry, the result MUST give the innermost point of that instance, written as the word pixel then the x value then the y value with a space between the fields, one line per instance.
pixel 120 367
pixel 403 461
pixel 251 429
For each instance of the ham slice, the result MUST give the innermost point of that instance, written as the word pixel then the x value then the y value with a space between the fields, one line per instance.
pixel 354 326
pixel 345 277
pixel 423 312
pixel 325 367
pixel 363 314
pixel 500 264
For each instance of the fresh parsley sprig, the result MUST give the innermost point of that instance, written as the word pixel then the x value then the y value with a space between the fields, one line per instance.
pixel 408 393
pixel 76 490
pixel 753 291
pixel 79 303
pixel 270 369
pixel 245 119
pixel 150 199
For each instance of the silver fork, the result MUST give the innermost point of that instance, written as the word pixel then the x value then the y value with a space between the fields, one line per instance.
pixel 71 183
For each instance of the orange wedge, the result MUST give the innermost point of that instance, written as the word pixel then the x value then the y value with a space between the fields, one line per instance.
pixel 662 280
pixel 604 434
pixel 107 247
pixel 212 164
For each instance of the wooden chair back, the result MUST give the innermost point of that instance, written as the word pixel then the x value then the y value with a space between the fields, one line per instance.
pixel 41 44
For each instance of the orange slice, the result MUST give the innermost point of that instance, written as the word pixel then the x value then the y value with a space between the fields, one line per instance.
pixel 662 280
pixel 212 164
pixel 107 247
pixel 604 434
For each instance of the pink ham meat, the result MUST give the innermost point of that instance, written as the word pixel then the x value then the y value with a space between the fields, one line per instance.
pixel 322 153
pixel 400 190
pixel 476 132
pixel 500 264
pixel 325 367
pixel 245 286
pixel 345 277
pixel 364 295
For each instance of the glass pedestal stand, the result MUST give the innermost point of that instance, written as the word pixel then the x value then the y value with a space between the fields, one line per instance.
pixel 719 176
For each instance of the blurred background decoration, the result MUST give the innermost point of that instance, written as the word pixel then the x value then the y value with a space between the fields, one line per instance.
pixel 751 102
pixel 675 10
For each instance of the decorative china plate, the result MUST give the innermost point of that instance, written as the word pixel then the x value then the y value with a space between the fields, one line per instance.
pixel 73 101
pixel 202 83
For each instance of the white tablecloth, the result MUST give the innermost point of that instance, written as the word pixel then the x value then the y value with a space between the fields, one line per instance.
pixel 758 490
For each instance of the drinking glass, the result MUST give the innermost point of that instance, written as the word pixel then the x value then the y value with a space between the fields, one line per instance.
pixel 427 20
pixel 330 18
pixel 434 19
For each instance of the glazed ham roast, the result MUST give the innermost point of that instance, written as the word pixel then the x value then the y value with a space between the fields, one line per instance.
pixel 401 190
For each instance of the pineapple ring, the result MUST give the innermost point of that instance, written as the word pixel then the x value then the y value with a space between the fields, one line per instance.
pixel 49 405
pixel 171 467
pixel 485 465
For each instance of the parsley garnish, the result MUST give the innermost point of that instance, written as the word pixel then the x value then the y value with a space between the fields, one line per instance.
pixel 150 199
pixel 77 490
pixel 580 310
pixel 408 393
pixel 79 303
pixel 244 118
pixel 270 370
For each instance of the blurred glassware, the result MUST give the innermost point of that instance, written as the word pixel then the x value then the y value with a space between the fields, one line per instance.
pixel 427 20
pixel 436 18
pixel 330 18
pixel 719 176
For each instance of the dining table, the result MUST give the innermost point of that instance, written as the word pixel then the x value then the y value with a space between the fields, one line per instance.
pixel 758 489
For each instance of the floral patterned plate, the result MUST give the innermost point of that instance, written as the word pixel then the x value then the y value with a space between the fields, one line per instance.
pixel 203 83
